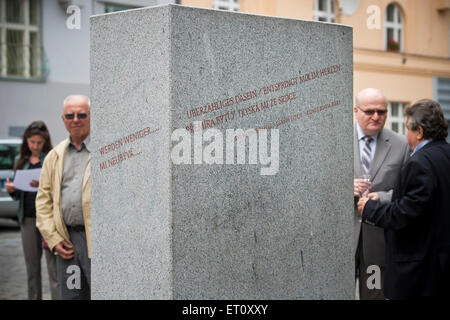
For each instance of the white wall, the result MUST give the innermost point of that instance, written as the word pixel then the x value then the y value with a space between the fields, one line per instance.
pixel 67 50
pixel 67 55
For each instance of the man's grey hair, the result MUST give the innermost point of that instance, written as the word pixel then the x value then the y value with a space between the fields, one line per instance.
pixel 76 96
pixel 428 114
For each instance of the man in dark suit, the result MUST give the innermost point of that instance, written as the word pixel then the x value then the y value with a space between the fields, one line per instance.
pixel 379 153
pixel 417 221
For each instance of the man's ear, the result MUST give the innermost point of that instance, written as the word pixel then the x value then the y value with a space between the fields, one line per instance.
pixel 420 131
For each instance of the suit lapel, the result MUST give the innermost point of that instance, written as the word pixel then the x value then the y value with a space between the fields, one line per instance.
pixel 356 160
pixel 381 151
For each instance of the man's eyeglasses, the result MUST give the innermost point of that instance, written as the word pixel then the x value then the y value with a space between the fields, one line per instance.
pixel 372 112
pixel 71 116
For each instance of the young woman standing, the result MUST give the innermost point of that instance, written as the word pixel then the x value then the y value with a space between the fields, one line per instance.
pixel 35 146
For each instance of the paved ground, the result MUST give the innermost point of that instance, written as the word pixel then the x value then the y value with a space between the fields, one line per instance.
pixel 13 277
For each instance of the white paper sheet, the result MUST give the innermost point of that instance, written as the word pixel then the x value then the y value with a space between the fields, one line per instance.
pixel 23 178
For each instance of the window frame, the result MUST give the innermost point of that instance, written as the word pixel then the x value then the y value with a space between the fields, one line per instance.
pixel 400 118
pixel 27 30
pixel 328 14
pixel 395 26
pixel 228 5
pixel 441 94
pixel 116 7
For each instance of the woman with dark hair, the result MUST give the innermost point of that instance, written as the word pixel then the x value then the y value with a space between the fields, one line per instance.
pixel 36 144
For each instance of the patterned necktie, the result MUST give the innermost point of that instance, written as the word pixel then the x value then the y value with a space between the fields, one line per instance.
pixel 367 151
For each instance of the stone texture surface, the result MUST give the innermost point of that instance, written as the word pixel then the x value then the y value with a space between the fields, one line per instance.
pixel 200 231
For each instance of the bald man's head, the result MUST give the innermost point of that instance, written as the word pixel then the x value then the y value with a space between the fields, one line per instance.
pixel 371 110
pixel 370 94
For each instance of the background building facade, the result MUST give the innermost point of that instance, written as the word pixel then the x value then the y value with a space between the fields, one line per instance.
pixel 401 47
pixel 44 56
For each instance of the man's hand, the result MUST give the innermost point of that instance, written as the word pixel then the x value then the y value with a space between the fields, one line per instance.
pixel 10 186
pixel 360 186
pixel 362 203
pixel 373 196
pixel 34 183
pixel 64 250
pixel 355 187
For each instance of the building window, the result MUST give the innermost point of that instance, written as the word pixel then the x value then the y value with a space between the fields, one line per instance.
pixel 393 27
pixel 441 93
pixel 15 131
pixel 325 10
pixel 396 119
pixel 229 5
pixel 20 39
pixel 115 7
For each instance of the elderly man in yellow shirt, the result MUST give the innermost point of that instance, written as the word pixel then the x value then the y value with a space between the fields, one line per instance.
pixel 63 202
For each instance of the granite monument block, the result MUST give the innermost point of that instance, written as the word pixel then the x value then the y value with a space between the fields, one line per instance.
pixel 222 162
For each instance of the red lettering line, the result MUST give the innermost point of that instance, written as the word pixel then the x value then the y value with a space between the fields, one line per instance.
pixel 137 135
pixel 127 140
pixel 209 107
pixel 323 107
pixel 280 85
pixel 329 70
pixel 111 147
pixel 118 159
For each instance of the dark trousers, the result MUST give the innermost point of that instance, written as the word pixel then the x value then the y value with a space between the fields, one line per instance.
pixel 32 251
pixel 74 275
pixel 366 273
